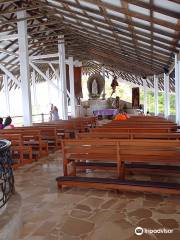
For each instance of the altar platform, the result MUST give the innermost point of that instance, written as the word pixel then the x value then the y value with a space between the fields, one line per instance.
pixel 106 112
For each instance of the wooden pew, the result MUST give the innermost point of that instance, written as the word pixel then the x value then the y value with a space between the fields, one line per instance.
pixel 118 184
pixel 141 122
pixel 126 135
pixel 63 130
pixel 20 154
pixel 30 137
pixel 146 151
pixel 147 118
pixel 47 135
pixel 77 150
pixel 165 152
pixel 88 145
pixel 68 128
pixel 132 130
pixel 147 124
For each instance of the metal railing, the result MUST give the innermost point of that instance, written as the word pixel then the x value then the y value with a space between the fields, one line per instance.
pixel 36 118
pixel 17 121
pixel 6 173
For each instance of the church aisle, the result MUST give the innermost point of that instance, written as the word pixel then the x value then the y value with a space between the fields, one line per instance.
pixel 87 214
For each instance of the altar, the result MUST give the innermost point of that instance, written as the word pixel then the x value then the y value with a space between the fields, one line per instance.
pixel 92 105
pixel 106 112
pixel 103 107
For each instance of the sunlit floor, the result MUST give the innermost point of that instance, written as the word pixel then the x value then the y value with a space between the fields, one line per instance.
pixel 89 214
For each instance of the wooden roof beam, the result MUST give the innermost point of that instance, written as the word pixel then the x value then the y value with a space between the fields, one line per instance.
pixel 121 10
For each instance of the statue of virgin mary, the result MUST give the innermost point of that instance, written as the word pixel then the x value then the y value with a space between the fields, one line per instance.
pixel 94 87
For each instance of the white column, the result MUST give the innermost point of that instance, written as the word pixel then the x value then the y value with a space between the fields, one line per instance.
pixel 145 95
pixel 166 96
pixel 104 90
pixel 177 88
pixel 6 91
pixel 49 87
pixel 72 91
pixel 34 87
pixel 156 111
pixel 24 68
pixel 62 88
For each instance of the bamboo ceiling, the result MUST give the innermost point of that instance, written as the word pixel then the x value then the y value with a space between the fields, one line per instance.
pixel 133 38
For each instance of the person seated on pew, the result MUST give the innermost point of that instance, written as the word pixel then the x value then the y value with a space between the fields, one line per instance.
pixel 7 123
pixel 1 123
pixel 121 116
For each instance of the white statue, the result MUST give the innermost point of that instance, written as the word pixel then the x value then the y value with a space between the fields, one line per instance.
pixel 94 87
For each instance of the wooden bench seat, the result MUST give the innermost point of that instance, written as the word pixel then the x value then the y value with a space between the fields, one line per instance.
pixel 105 150
pixel 126 135
pixel 68 128
pixel 123 185
pixel 147 118
pixel 78 150
pixel 173 127
pixel 132 130
pixel 147 152
pixel 30 137
pixel 46 134
pixel 121 155
pixel 131 167
pixel 20 154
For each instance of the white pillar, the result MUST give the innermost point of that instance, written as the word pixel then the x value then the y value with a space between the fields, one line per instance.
pixel 49 87
pixel 166 96
pixel 104 90
pixel 145 95
pixel 24 68
pixel 62 88
pixel 72 91
pixel 34 87
pixel 177 88
pixel 6 91
pixel 156 111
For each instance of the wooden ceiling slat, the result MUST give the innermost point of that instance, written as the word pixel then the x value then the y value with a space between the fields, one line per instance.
pixel 118 18
pixel 126 47
pixel 155 8
pixel 136 15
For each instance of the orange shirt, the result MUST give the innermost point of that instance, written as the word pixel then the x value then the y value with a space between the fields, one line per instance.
pixel 120 117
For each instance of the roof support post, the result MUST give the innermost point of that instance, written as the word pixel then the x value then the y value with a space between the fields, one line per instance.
pixel 6 91
pixel 62 83
pixel 166 96
pixel 145 95
pixel 156 111
pixel 24 67
pixel 48 86
pixel 177 88
pixel 34 87
pixel 104 90
pixel 72 91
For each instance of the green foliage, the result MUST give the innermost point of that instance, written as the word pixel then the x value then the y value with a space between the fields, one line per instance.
pixel 172 104
pixel 150 101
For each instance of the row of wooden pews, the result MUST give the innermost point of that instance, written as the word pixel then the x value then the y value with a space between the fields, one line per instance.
pixel 31 143
pixel 138 145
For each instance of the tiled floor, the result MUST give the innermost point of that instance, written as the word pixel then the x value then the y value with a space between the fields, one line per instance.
pixel 89 214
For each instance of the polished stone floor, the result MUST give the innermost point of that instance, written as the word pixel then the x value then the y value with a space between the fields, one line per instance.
pixel 89 214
